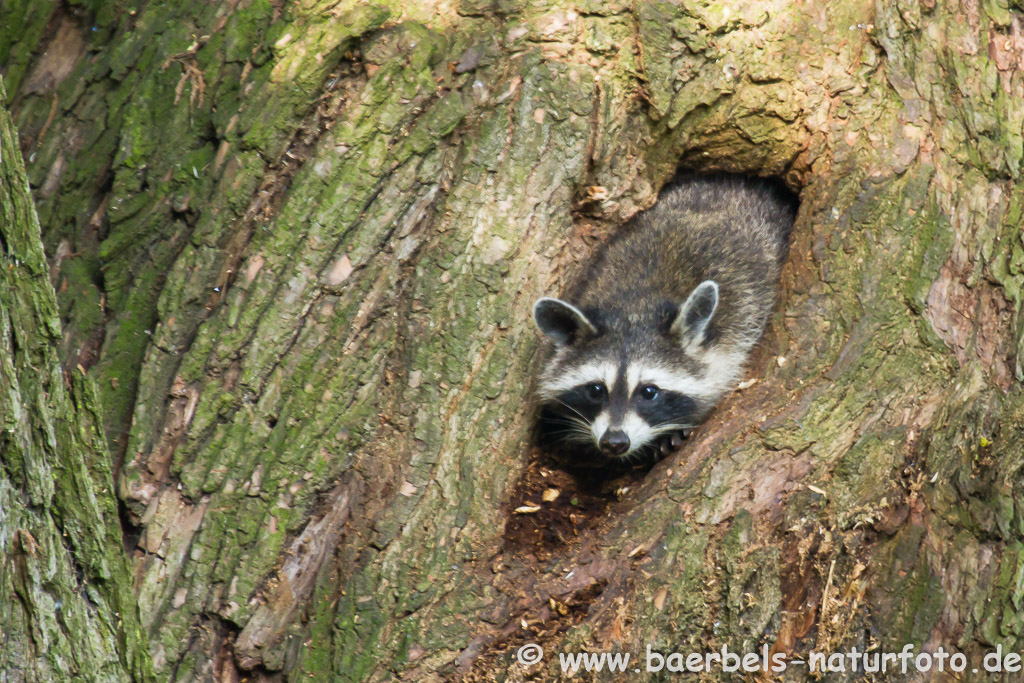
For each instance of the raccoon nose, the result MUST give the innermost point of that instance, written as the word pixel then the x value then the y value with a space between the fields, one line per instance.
pixel 614 442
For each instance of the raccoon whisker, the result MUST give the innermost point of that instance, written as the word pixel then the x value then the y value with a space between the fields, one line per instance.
pixel 565 419
pixel 571 426
pixel 582 416
pixel 688 425
pixel 583 434
pixel 581 440
pixel 668 427
pixel 569 429
pixel 565 422
pixel 641 321
pixel 556 432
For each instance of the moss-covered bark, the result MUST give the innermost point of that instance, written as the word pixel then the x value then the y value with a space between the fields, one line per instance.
pixel 66 605
pixel 297 246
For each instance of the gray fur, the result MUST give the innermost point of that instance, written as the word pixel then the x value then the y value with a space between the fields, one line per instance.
pixel 688 286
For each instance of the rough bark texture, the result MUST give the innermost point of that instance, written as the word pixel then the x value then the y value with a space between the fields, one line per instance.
pixel 296 244
pixel 66 605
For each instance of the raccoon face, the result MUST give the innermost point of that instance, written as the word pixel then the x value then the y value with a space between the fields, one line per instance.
pixel 621 382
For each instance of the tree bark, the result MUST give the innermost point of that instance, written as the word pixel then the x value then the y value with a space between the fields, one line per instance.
pixel 296 245
pixel 66 604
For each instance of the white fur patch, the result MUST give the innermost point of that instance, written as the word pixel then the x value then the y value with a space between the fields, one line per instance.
pixel 599 426
pixel 638 431
pixel 723 370
pixel 589 373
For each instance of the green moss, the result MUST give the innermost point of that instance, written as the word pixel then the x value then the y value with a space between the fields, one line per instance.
pixel 432 191
pixel 305 54
pixel 66 607
pixel 22 28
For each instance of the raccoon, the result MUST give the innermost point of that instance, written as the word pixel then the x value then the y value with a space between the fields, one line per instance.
pixel 659 328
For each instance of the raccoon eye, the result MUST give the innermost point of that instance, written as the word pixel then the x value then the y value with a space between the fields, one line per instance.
pixel 649 392
pixel 595 392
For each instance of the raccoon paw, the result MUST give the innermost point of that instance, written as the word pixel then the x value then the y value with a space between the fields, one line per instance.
pixel 672 441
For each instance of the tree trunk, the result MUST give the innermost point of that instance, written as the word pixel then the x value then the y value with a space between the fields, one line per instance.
pixel 66 604
pixel 296 245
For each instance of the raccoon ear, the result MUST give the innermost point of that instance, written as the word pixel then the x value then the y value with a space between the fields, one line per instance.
pixel 691 324
pixel 560 321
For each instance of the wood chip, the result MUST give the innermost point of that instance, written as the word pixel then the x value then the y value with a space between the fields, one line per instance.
pixel 659 599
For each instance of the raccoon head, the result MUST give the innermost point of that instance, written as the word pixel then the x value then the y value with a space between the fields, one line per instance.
pixel 621 380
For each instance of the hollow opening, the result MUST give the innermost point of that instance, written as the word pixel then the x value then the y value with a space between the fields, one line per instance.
pixel 564 492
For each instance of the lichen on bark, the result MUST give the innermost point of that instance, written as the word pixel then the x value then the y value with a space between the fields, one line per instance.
pixel 66 600
pixel 301 254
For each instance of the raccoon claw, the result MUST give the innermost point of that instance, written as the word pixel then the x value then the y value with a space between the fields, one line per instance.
pixel 673 441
